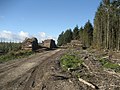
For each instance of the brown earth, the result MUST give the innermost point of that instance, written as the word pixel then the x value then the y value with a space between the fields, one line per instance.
pixel 14 75
pixel 43 72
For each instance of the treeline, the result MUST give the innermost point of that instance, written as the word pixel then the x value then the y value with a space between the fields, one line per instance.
pixel 84 34
pixel 6 47
pixel 105 33
pixel 107 25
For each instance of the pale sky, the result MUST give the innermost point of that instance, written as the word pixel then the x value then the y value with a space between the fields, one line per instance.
pixel 43 18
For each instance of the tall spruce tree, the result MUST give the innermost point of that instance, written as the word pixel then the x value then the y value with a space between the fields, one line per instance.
pixel 106 25
pixel 68 36
pixel 88 34
pixel 60 39
pixel 81 34
pixel 106 33
pixel 76 33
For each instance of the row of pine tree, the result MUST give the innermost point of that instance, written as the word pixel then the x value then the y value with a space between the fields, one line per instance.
pixel 85 35
pixel 106 30
pixel 107 25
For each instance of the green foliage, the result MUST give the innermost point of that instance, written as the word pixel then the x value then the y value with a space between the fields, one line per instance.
pixel 106 2
pixel 88 34
pixel 70 62
pixel 67 36
pixel 76 33
pixel 106 33
pixel 107 25
pixel 15 55
pixel 7 47
pixel 60 39
pixel 84 35
pixel 107 64
pixel 81 34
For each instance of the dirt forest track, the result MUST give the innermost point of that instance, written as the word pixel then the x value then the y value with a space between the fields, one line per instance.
pixel 16 75
pixel 42 71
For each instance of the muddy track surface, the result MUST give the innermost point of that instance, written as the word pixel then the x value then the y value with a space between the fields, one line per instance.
pixel 16 75
pixel 42 71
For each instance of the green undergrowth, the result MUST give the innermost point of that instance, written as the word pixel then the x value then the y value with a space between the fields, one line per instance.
pixel 15 55
pixel 109 65
pixel 69 61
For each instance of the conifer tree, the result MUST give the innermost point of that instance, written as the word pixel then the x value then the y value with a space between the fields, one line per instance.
pixel 60 39
pixel 81 34
pixel 76 33
pixel 106 25
pixel 68 36
pixel 88 34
